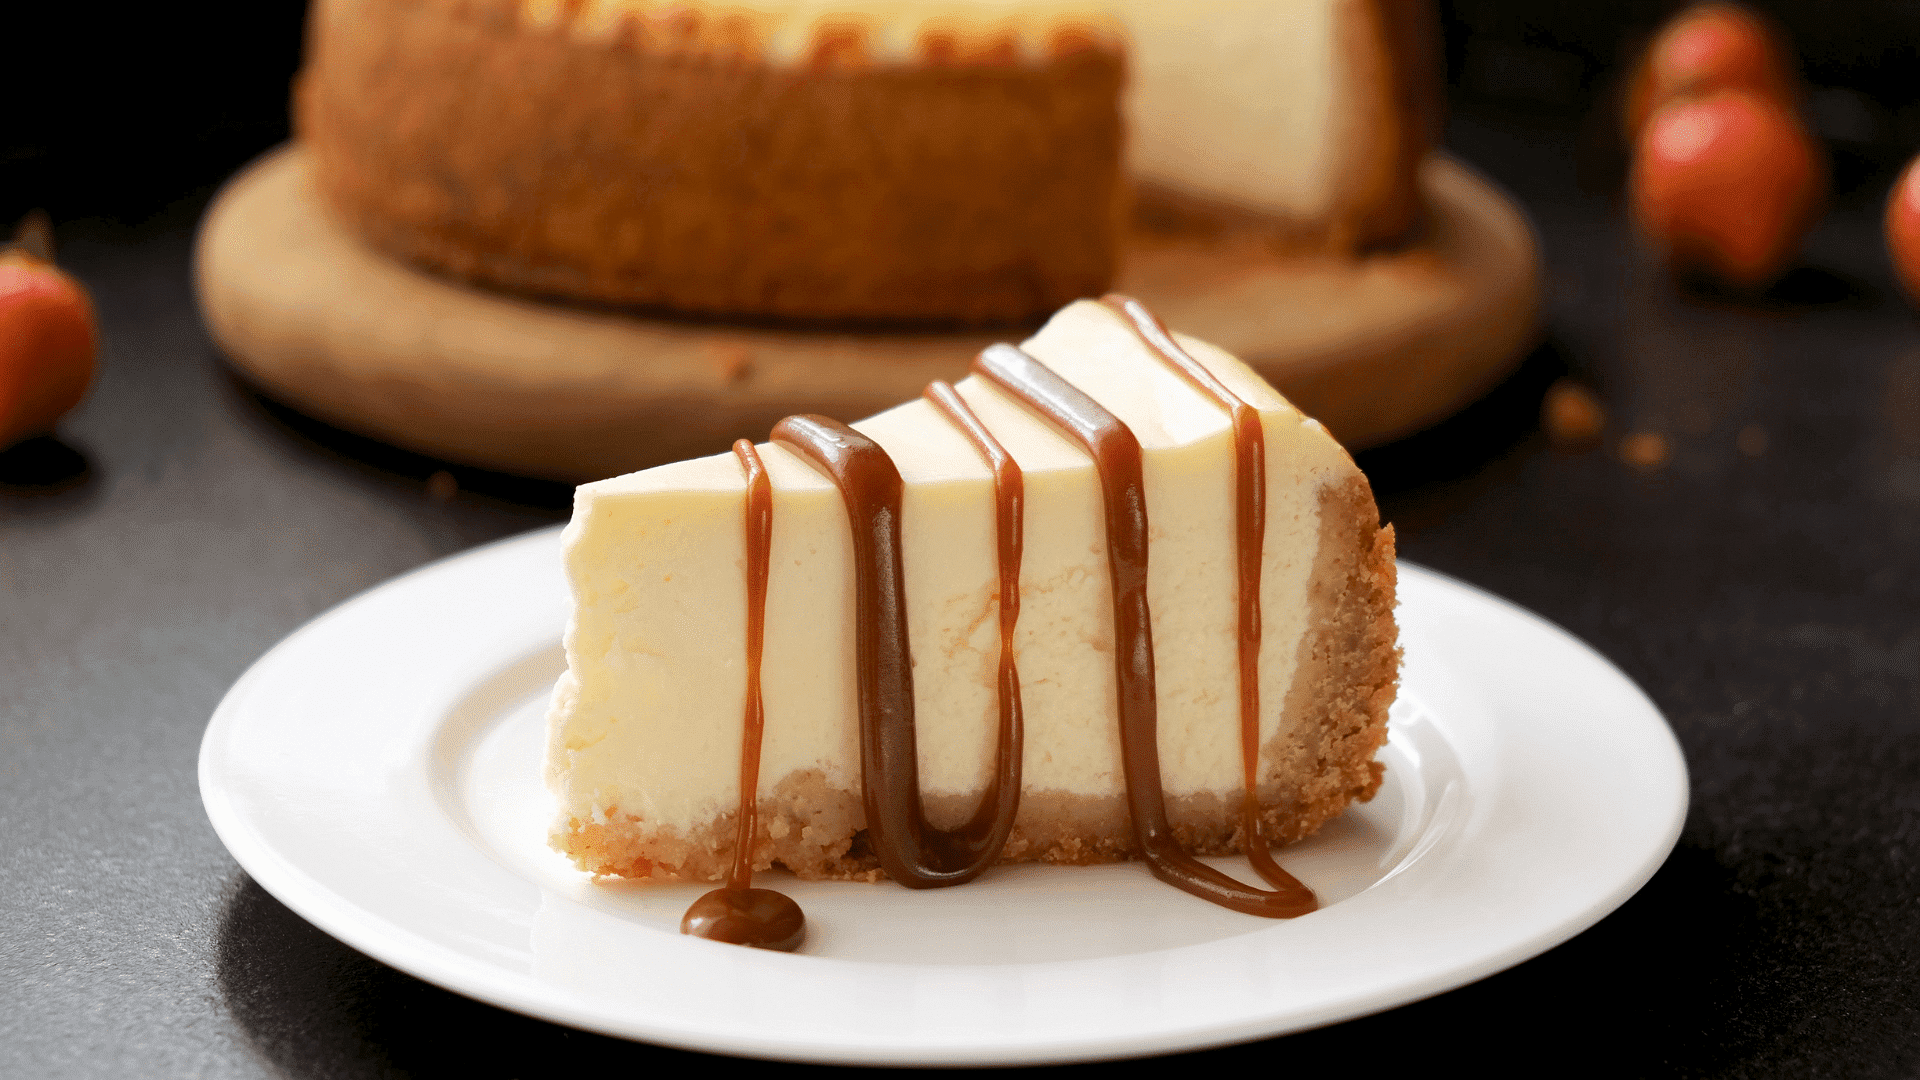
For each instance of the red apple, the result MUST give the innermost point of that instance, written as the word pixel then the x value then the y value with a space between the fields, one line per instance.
pixel 1708 47
pixel 1727 183
pixel 1903 228
pixel 46 344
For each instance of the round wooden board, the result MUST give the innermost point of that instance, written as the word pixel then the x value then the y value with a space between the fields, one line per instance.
pixel 1375 348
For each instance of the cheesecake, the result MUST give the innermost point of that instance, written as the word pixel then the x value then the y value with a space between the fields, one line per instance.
pixel 1143 634
pixel 949 162
pixel 931 162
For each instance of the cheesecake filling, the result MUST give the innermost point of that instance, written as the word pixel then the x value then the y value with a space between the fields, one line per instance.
pixel 647 724
pixel 1239 100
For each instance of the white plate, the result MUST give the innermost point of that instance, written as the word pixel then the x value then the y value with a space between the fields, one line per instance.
pixel 378 772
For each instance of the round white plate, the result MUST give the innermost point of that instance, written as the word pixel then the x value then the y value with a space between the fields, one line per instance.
pixel 379 773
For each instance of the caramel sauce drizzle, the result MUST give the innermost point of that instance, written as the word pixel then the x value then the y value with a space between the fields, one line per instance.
pixel 910 850
pixel 1117 459
pixel 739 913
pixel 1250 505
pixel 993 820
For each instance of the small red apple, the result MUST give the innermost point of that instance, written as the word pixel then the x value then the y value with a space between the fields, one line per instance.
pixel 1708 47
pixel 1903 228
pixel 46 338
pixel 1727 183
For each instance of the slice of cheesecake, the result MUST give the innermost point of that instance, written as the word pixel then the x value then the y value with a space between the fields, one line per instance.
pixel 645 729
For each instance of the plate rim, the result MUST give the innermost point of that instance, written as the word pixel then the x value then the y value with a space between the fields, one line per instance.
pixel 380 937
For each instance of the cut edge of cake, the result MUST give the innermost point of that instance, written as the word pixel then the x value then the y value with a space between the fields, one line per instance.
pixel 1321 160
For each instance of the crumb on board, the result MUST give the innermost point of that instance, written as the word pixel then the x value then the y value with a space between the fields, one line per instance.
pixel 1645 450
pixel 1572 415
pixel 732 361
pixel 441 487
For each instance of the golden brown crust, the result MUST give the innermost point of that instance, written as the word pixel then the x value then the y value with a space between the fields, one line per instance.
pixel 807 825
pixel 815 830
pixel 449 133
pixel 1414 41
pixel 1390 50
pixel 1348 668
pixel 1320 762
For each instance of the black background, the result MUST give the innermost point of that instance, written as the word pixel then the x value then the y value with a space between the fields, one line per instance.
pixel 117 112
pixel 181 525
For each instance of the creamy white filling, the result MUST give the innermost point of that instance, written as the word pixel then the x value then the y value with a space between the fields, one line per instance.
pixel 1237 99
pixel 649 719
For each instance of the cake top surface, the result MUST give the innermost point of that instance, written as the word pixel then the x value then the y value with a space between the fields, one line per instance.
pixel 1086 344
pixel 843 33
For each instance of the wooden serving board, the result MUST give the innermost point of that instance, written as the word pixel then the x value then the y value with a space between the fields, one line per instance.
pixel 1374 348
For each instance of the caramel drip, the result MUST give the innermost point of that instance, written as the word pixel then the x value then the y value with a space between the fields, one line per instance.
pixel 1250 506
pixel 739 913
pixel 911 851
pixel 993 819
pixel 1117 458
pixel 759 531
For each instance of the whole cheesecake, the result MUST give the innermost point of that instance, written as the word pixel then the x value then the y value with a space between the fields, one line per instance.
pixel 835 161
pixel 954 161
pixel 1091 606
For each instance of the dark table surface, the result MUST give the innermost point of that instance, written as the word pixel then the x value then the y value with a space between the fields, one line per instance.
pixel 1761 585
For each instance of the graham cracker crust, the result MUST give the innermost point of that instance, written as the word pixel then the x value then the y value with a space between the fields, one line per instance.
pixel 1322 761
